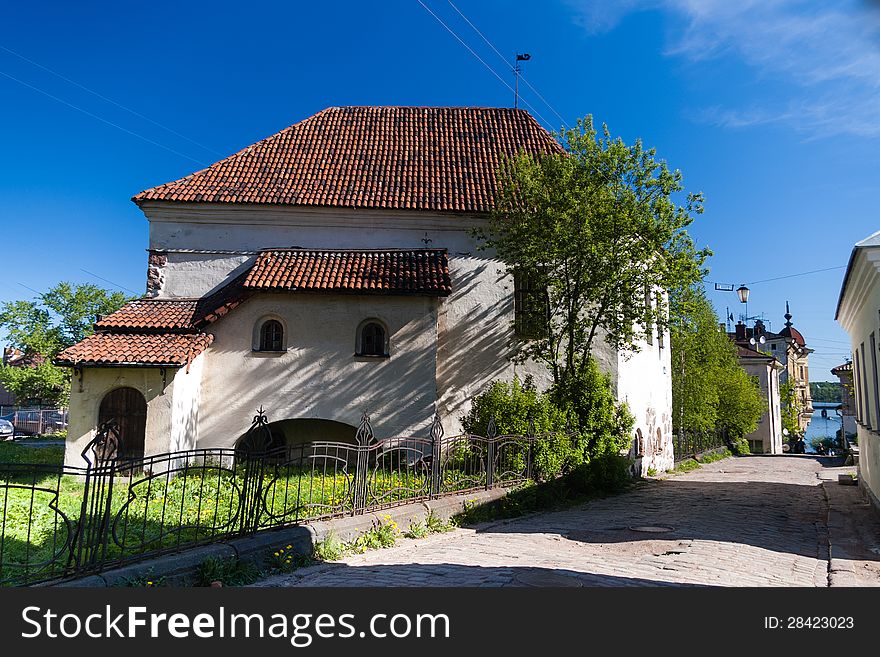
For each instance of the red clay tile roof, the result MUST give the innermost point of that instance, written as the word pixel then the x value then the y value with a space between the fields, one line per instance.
pixel 175 315
pixel 416 271
pixel 151 314
pixel 416 158
pixel 135 349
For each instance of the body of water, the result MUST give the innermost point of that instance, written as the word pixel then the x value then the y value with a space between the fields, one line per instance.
pixel 822 426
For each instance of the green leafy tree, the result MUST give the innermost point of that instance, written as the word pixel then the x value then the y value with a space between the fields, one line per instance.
pixel 826 391
pixel 709 389
pixel 740 404
pixel 791 408
pixel 598 227
pixel 699 349
pixel 44 327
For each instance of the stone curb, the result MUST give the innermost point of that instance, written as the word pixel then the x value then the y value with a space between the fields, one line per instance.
pixel 180 567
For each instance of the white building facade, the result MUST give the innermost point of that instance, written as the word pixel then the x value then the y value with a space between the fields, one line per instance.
pixel 328 271
pixel 858 311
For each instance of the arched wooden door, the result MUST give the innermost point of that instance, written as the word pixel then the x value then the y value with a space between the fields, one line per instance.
pixel 128 408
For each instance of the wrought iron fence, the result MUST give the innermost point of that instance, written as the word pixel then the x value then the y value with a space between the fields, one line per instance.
pixel 64 521
pixel 688 444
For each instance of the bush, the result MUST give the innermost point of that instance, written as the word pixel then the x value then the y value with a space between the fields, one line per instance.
pixel 740 446
pixel 579 423
pixel 603 425
pixel 512 405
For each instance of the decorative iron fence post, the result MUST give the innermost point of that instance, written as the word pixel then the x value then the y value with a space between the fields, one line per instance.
pixel 436 441
pixel 490 453
pixel 530 439
pixel 258 439
pixel 89 545
pixel 364 438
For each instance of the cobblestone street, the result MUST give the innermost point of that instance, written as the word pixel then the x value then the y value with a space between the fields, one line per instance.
pixel 754 521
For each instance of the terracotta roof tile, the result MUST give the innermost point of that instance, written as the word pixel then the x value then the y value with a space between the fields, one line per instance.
pixel 135 349
pixel 415 158
pixel 151 314
pixel 176 315
pixel 415 271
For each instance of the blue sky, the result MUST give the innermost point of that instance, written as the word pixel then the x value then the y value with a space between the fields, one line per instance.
pixel 769 108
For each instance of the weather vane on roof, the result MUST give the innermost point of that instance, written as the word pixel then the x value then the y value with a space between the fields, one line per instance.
pixel 516 71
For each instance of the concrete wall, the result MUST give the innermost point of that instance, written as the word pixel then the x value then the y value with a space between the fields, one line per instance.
pixel 645 384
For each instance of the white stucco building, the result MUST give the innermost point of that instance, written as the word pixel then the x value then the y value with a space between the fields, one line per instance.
pixel 326 271
pixel 767 438
pixel 857 312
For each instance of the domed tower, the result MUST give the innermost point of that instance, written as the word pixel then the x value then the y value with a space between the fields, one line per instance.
pixel 797 368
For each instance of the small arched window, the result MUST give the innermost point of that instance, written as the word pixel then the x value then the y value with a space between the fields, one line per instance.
pixel 372 340
pixel 271 336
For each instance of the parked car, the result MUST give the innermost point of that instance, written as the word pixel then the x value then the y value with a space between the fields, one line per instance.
pixel 6 430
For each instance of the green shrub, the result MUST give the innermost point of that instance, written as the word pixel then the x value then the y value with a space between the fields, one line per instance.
pixel 711 457
pixel 604 427
pixel 687 465
pixel 512 405
pixel 577 422
pixel 740 447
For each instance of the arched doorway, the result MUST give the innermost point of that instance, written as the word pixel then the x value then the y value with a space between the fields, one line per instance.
pixel 303 430
pixel 128 408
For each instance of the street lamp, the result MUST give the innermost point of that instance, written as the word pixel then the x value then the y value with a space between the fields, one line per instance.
pixel 743 293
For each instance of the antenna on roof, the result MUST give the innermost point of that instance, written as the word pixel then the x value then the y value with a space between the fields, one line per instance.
pixel 516 71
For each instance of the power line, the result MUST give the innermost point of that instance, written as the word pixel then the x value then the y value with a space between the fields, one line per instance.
pixel 482 61
pixel 101 119
pixel 30 288
pixel 107 280
pixel 497 52
pixel 814 271
pixel 109 100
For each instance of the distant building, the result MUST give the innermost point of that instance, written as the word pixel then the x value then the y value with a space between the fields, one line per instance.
pixel 857 313
pixel 767 438
pixel 790 349
pixel 847 409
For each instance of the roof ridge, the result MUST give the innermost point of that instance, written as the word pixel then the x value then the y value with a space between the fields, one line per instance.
pixel 304 249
